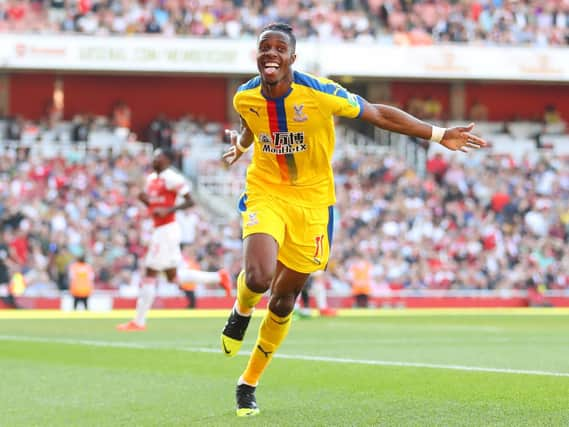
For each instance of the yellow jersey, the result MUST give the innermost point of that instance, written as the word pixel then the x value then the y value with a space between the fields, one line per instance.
pixel 294 137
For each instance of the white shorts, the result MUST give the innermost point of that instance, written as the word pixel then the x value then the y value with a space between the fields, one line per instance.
pixel 164 249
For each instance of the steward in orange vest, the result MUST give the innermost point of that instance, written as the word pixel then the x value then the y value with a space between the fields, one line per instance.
pixel 16 288
pixel 81 281
pixel 17 285
pixel 360 278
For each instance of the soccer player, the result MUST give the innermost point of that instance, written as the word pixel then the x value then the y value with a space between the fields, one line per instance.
pixel 288 116
pixel 190 273
pixel 162 189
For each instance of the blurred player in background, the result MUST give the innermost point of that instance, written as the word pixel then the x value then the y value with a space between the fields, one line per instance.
pixel 188 286
pixel 316 285
pixel 163 188
pixel 190 274
pixel 287 208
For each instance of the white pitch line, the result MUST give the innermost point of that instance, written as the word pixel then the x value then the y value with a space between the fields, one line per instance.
pixel 130 345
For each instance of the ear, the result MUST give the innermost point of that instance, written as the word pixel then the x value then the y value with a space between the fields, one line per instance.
pixel 292 58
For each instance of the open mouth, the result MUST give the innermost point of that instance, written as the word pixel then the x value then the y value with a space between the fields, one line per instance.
pixel 271 68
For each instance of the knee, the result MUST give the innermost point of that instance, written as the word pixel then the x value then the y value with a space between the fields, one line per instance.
pixel 258 279
pixel 282 305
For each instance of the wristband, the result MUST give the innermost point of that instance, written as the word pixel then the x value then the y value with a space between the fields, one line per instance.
pixel 240 147
pixel 437 134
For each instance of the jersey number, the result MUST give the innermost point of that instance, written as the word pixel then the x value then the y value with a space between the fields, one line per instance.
pixel 319 243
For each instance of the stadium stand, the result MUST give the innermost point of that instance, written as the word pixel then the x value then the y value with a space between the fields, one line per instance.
pixel 365 21
pixel 488 222
pixel 506 229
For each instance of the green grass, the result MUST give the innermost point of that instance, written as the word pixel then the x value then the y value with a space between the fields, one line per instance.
pixel 81 372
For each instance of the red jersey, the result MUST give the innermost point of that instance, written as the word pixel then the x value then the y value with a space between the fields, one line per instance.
pixel 163 189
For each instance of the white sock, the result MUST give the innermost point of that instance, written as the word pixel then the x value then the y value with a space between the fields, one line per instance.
pixel 320 295
pixel 145 299
pixel 197 276
pixel 241 381
pixel 236 308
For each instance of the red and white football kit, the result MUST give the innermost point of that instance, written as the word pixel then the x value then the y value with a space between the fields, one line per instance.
pixel 163 189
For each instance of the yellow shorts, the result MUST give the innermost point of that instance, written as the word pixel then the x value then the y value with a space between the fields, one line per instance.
pixel 304 235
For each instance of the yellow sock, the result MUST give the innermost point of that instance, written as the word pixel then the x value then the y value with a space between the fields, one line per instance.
pixel 246 298
pixel 272 333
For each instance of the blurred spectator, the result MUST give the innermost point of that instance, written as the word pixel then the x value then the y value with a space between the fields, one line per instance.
pixel 551 115
pixel 61 261
pixel 121 115
pixel 6 264
pixel 478 112
pixel 14 129
pixel 80 129
pixel 400 22
pixel 16 288
pixel 432 109
pixel 121 119
pixel 56 11
pixel 437 166
pixel 160 132
pixel 416 107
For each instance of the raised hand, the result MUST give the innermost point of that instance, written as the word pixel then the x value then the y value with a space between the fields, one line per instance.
pixel 460 138
pixel 232 154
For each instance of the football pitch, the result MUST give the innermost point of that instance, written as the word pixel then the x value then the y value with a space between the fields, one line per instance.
pixel 362 368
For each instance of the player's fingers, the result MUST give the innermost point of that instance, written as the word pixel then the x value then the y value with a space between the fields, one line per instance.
pixel 232 135
pixel 229 153
pixel 473 139
pixel 229 161
pixel 463 129
pixel 464 149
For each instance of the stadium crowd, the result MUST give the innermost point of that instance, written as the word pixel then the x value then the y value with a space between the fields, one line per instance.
pixel 533 22
pixel 483 223
pixel 488 223
pixel 55 210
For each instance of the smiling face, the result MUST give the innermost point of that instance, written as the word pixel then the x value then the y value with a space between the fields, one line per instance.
pixel 275 55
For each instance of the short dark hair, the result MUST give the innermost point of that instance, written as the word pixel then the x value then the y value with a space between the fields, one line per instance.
pixel 283 28
pixel 167 152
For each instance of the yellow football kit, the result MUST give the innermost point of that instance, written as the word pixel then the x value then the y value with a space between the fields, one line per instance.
pixel 290 184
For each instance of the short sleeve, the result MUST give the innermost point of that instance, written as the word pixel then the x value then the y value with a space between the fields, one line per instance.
pixel 340 102
pixel 236 103
pixel 176 182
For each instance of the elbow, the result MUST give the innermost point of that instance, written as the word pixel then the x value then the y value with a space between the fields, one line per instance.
pixel 378 118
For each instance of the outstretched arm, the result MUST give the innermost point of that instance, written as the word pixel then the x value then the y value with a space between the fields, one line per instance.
pixel 395 120
pixel 240 142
